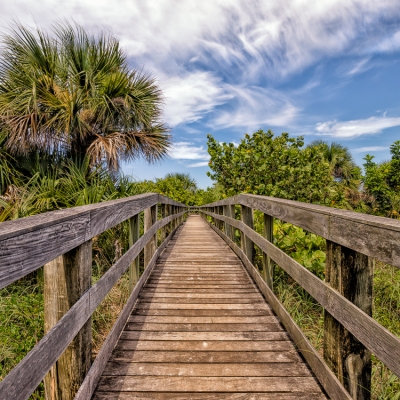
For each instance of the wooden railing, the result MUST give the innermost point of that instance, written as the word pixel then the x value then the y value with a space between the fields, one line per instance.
pixel 353 241
pixel 62 242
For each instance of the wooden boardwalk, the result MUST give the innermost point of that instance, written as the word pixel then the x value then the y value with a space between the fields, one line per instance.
pixel 202 330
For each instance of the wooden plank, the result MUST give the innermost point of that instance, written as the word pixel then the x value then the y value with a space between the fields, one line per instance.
pixel 197 312
pixel 375 337
pixel 202 320
pixel 190 295
pixel 137 356
pixel 200 306
pixel 205 336
pixel 210 384
pixel 115 368
pixel 209 345
pixel 197 300
pixel 202 327
pixel 205 396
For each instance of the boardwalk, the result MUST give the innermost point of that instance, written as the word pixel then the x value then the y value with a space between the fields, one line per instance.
pixel 202 330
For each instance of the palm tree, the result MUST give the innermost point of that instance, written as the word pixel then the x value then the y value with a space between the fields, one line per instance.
pixel 342 165
pixel 72 94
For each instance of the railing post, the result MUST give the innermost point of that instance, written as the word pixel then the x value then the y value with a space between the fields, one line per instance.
pixel 134 233
pixel 163 231
pixel 66 279
pixel 150 218
pixel 268 267
pixel 220 222
pixel 247 244
pixel 228 228
pixel 351 274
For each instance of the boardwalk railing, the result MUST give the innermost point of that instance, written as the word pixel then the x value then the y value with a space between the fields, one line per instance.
pixel 62 242
pixel 353 241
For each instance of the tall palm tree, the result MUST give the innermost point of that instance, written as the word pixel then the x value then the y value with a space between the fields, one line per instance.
pixel 72 94
pixel 342 165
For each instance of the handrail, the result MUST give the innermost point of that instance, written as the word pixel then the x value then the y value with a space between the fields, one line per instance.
pixel 374 236
pixel 67 230
pixel 28 243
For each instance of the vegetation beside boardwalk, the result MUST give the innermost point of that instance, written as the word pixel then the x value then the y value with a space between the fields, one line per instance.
pixel 54 155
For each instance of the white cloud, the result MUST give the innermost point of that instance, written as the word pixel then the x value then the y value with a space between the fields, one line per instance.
pixel 369 149
pixel 389 44
pixel 187 151
pixel 252 107
pixel 355 128
pixel 359 67
pixel 198 164
pixel 189 98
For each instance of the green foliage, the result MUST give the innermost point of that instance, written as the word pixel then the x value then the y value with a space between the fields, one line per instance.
pixel 273 166
pixel 306 248
pixel 383 182
pixel 71 94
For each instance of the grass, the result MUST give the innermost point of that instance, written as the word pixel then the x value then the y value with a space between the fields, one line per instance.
pixel 308 314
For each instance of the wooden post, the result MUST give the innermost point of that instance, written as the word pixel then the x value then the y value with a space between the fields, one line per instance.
pixel 220 222
pixel 134 233
pixel 351 274
pixel 268 267
pixel 227 227
pixel 66 279
pixel 163 231
pixel 168 226
pixel 246 243
pixel 150 218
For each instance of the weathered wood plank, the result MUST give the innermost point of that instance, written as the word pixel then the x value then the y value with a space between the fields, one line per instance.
pixel 209 345
pixel 251 357
pixel 205 396
pixel 115 368
pixel 205 336
pixel 202 327
pixel 210 384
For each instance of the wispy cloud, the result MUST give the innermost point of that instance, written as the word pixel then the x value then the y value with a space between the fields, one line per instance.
pixel 369 149
pixel 252 107
pixel 190 97
pixel 198 164
pixel 355 128
pixel 188 151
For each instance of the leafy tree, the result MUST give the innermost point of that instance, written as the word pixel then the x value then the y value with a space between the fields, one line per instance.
pixel 383 182
pixel 273 166
pixel 72 94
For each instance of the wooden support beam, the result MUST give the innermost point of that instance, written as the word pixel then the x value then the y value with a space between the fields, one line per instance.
pixel 150 218
pixel 66 279
pixel 134 234
pixel 268 267
pixel 228 229
pixel 246 243
pixel 351 274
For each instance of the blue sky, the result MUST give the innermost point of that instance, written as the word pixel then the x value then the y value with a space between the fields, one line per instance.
pixel 326 70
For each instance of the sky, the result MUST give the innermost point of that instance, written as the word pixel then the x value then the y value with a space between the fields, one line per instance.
pixel 325 70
